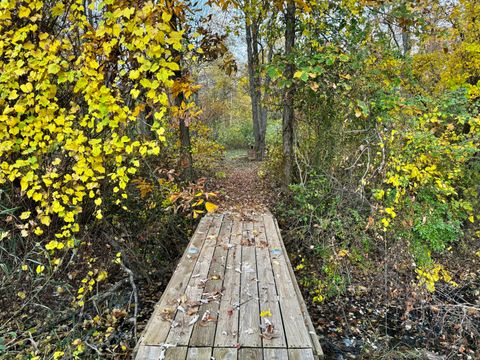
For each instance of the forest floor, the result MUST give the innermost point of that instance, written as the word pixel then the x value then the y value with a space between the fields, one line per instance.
pixel 239 187
pixel 382 313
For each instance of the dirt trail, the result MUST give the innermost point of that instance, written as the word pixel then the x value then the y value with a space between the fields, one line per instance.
pixel 239 186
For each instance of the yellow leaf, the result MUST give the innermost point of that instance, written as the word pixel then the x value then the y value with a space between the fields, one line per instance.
pixel 24 267
pixel 210 207
pixel 23 12
pixel 266 313
pixel 343 253
pixel 134 74
pixel 166 17
pixel 53 68
pixel 298 74
pixel 25 215
pixel 40 269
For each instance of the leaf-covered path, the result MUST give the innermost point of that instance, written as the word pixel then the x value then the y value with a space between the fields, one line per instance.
pixel 239 185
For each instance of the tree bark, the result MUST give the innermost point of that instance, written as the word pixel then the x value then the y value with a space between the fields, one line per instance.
pixel 185 159
pixel 259 121
pixel 289 92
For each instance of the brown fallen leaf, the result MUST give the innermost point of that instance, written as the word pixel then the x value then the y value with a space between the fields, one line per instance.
pixel 192 310
pixel 167 314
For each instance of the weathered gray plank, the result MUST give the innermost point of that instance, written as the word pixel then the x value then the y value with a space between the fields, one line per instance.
pixel 225 354
pixel 204 332
pixel 199 353
pixel 300 354
pixel 176 353
pixel 249 327
pixel 275 354
pixel 269 300
pixel 227 324
pixel 157 329
pixel 250 354
pixel 317 348
pixel 151 352
pixel 293 318
pixel 180 334
pixel 148 352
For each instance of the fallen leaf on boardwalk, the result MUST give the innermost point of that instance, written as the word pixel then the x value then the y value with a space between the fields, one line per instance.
pixel 268 331
pixel 263 244
pixel 192 310
pixel 183 299
pixel 202 283
pixel 194 320
pixel 210 207
pixel 167 314
pixel 237 346
pixel 230 312
pixel 206 318
pixel 216 277
pixel 265 313
pixel 249 331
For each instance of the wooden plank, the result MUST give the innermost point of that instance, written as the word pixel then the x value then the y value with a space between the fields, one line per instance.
pixel 204 332
pixel 225 354
pixel 275 354
pixel 180 334
pixel 227 324
pixel 199 353
pixel 300 354
pixel 293 318
pixel 176 353
pixel 151 352
pixel 250 354
pixel 317 348
pixel 269 300
pixel 249 315
pixel 157 329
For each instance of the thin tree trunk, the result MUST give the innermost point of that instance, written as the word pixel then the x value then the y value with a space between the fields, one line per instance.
pixel 251 32
pixel 186 159
pixel 288 110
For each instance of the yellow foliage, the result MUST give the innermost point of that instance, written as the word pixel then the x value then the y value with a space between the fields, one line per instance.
pixel 61 152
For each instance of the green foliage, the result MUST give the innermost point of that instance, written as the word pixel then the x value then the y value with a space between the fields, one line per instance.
pixel 237 136
pixel 431 177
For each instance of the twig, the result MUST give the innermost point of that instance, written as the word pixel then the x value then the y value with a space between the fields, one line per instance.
pixel 135 297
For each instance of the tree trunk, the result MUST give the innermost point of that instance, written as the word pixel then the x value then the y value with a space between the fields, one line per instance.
pixel 186 159
pixel 251 32
pixel 288 110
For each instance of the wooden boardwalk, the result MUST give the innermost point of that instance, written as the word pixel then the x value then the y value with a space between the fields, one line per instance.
pixel 232 296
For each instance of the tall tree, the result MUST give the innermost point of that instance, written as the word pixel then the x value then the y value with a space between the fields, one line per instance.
pixel 252 12
pixel 288 95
